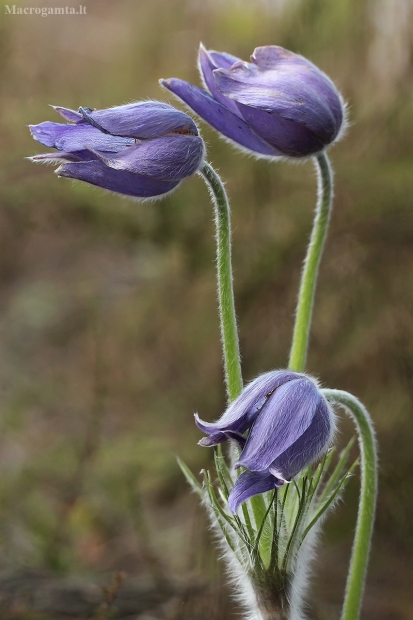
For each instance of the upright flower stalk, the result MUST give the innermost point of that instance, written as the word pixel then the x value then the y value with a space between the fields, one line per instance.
pixel 228 320
pixel 367 505
pixel 311 265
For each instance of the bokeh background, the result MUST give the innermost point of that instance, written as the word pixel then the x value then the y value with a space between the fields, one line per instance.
pixel 109 332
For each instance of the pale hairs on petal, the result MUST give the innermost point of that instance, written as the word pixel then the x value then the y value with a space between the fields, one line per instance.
pixel 47 161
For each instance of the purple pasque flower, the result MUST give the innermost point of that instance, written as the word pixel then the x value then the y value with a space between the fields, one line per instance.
pixel 277 105
pixel 288 424
pixel 142 149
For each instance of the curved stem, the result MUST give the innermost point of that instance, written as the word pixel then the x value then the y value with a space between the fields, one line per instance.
pixel 311 264
pixel 228 321
pixel 367 505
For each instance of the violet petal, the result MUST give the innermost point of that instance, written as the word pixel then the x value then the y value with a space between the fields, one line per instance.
pixel 269 56
pixel 68 115
pixel 219 116
pixel 243 411
pixel 287 136
pixel 282 421
pixel 212 440
pixel 127 183
pixel 221 60
pixel 62 156
pixel 208 62
pixel 248 484
pixel 142 120
pixel 72 138
pixel 293 92
pixel 272 57
pixel 308 447
pixel 168 158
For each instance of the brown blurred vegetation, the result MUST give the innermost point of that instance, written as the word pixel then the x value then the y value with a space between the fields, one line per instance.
pixel 109 334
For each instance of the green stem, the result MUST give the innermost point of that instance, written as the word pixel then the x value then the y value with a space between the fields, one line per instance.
pixel 226 306
pixel 311 265
pixel 228 321
pixel 367 505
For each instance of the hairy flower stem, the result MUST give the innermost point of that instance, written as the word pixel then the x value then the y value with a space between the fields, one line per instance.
pixel 226 307
pixel 367 505
pixel 311 264
pixel 269 610
pixel 272 599
pixel 228 321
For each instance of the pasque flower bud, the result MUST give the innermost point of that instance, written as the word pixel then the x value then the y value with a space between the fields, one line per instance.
pixel 142 149
pixel 281 422
pixel 277 105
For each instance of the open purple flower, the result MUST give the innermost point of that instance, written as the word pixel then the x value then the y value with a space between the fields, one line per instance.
pixel 278 105
pixel 142 149
pixel 288 423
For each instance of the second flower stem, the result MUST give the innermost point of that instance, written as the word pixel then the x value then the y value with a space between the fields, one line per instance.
pixel 228 321
pixel 367 505
pixel 305 302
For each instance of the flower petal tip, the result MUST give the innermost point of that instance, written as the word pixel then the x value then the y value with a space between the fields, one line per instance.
pixel 204 442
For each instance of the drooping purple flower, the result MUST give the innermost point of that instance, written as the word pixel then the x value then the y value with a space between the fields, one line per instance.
pixel 281 422
pixel 278 105
pixel 142 149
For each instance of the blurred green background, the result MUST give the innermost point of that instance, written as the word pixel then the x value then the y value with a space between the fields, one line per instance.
pixel 109 332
